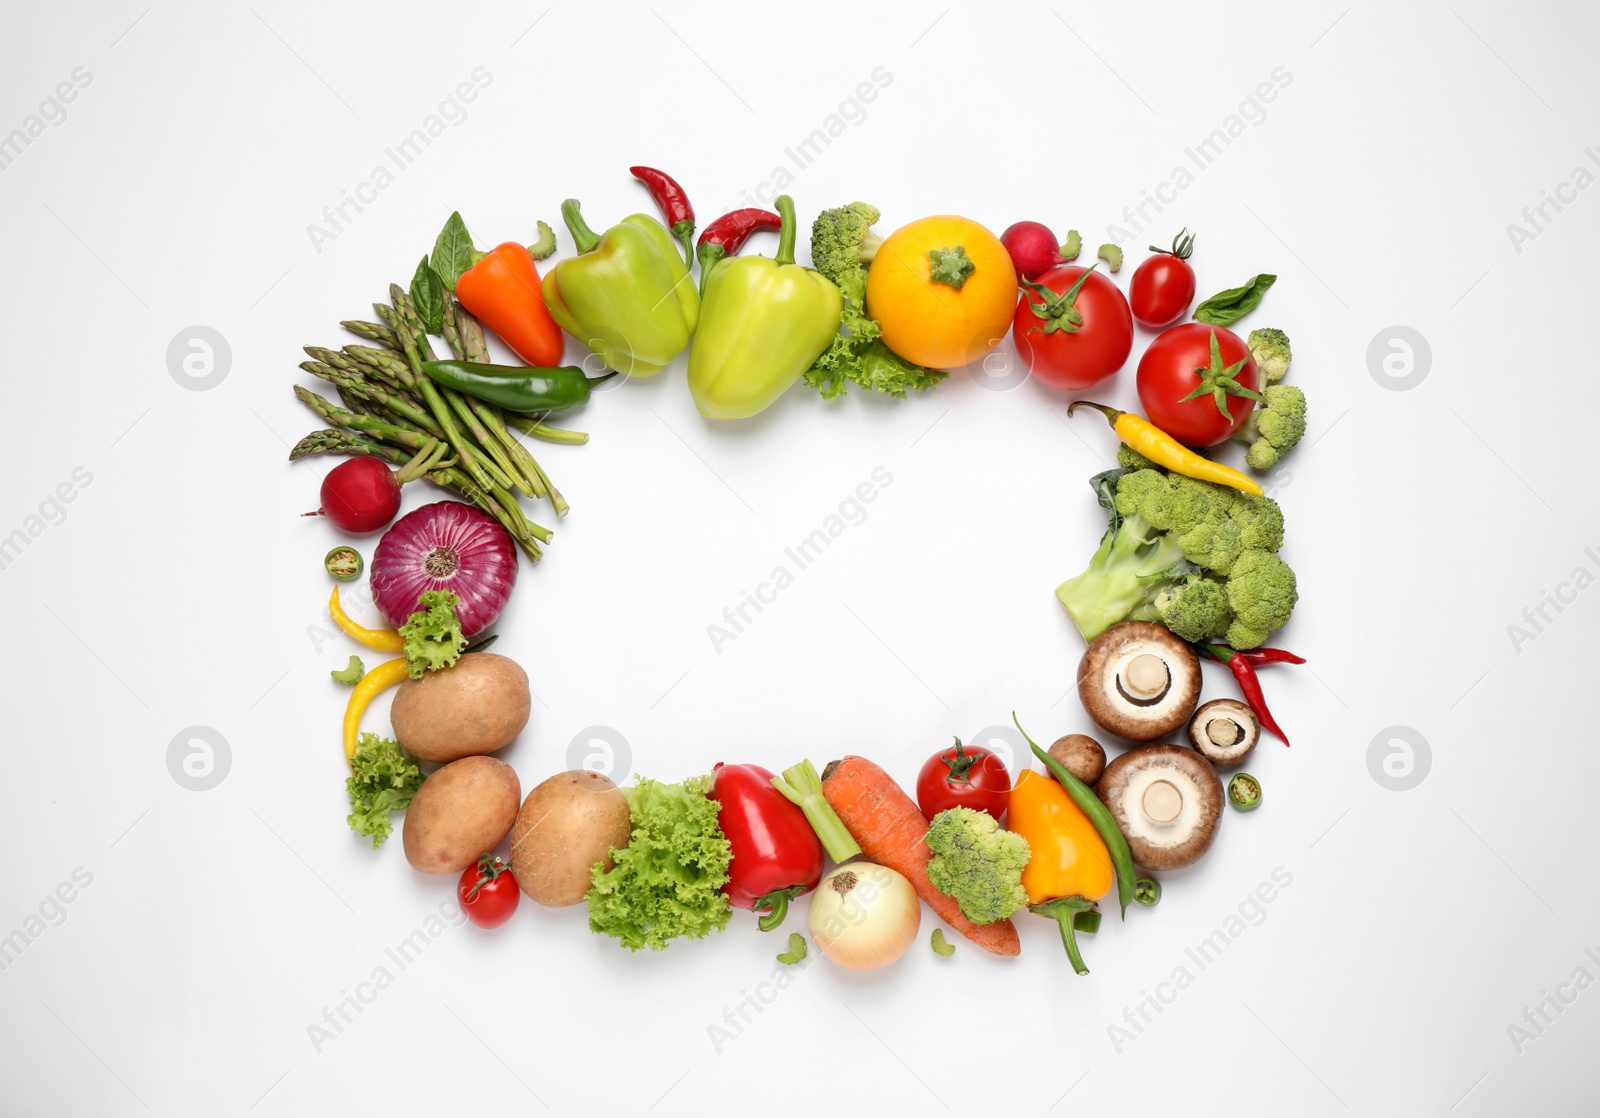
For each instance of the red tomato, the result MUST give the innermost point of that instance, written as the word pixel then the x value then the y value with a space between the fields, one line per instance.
pixel 488 892
pixel 1072 327
pixel 1189 374
pixel 1163 286
pixel 964 777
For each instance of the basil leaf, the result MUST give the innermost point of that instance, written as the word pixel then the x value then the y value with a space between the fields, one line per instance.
pixel 1227 307
pixel 427 294
pixel 453 252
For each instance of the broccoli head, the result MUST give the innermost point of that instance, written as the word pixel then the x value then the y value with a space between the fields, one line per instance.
pixel 1130 459
pixel 1262 594
pixel 1174 551
pixel 978 864
pixel 1275 426
pixel 1270 349
pixel 842 245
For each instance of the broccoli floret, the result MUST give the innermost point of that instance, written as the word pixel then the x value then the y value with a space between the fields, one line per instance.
pixel 1173 552
pixel 842 245
pixel 978 864
pixel 1270 348
pixel 1261 591
pixel 1197 610
pixel 1275 426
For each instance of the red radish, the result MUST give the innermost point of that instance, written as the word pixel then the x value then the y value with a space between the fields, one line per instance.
pixel 361 495
pixel 1033 248
pixel 445 546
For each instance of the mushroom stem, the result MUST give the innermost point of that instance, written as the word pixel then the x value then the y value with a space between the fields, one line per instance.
pixel 1162 801
pixel 1223 731
pixel 1146 676
pixel 1064 911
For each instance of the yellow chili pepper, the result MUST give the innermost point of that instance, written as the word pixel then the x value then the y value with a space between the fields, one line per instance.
pixel 1070 868
pixel 1164 450
pixel 385 640
pixel 381 678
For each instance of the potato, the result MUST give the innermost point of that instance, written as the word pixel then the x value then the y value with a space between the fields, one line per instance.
pixel 477 705
pixel 461 811
pixel 566 825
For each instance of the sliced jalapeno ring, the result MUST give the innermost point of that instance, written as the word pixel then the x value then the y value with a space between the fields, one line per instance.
pixel 1244 792
pixel 343 563
pixel 1147 891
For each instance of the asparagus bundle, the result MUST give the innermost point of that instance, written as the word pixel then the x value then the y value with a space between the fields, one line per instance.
pixel 392 410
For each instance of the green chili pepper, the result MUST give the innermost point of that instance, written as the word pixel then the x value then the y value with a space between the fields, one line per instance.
pixel 1147 891
pixel 1099 815
pixel 343 563
pixel 516 387
pixel 1244 792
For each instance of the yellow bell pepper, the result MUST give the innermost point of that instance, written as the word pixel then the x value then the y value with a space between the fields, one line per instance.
pixel 384 640
pixel 1070 868
pixel 379 679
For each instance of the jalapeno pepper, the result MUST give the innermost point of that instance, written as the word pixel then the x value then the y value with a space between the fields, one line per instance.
pixel 725 236
pixel 1244 792
pixel 674 205
pixel 1147 891
pixel 516 387
pixel 343 563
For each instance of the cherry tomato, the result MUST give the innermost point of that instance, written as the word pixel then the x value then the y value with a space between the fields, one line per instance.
pixel 1163 286
pixel 488 892
pixel 964 776
pixel 1072 327
pixel 1189 375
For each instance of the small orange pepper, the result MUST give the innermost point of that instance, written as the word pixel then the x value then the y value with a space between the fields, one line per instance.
pixel 504 291
pixel 1070 868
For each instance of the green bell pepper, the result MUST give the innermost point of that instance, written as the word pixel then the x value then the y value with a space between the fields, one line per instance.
pixel 765 322
pixel 626 295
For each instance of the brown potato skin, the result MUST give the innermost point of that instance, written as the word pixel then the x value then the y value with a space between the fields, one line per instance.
pixel 461 811
pixel 567 824
pixel 475 706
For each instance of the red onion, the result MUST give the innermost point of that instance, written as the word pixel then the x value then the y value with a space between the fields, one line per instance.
pixel 445 546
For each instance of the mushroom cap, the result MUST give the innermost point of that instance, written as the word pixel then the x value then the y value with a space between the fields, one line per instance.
pixel 1239 720
pixel 1121 688
pixel 1167 800
pixel 1081 755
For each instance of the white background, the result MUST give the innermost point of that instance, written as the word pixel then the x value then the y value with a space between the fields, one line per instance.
pixel 181 588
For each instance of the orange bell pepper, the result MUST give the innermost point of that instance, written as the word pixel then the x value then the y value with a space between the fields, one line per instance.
pixel 1070 868
pixel 505 292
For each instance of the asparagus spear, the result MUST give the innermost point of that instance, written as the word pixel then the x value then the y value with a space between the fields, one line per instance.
pixel 373 332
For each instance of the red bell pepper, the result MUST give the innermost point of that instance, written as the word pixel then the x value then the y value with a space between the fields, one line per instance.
pixel 776 854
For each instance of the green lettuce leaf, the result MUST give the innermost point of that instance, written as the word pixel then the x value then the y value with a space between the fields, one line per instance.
pixel 433 634
pixel 382 780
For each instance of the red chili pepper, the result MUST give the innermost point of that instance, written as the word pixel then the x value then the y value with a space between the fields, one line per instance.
pixel 776 854
pixel 673 204
pixel 1271 656
pixel 725 236
pixel 1244 673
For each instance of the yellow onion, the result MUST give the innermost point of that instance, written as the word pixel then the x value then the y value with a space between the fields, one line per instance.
pixel 864 916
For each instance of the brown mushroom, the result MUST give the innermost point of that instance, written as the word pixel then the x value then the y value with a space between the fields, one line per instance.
pixel 1225 731
pixel 1167 801
pixel 1081 756
pixel 1139 681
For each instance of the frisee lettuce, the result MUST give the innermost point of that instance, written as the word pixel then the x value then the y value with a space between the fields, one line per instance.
pixel 383 779
pixel 433 634
pixel 667 882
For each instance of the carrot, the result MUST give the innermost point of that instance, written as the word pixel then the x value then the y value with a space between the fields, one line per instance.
pixel 891 829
